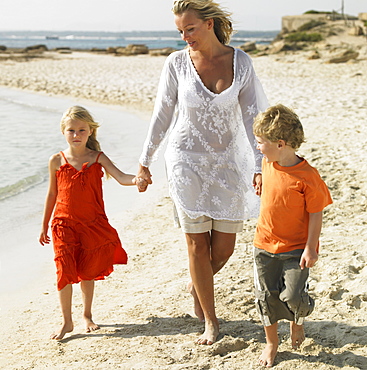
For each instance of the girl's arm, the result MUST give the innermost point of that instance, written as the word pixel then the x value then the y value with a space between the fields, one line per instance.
pixel 119 176
pixel 53 165
pixel 310 254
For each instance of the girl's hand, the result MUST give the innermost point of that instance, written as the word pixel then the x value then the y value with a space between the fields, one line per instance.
pixel 144 174
pixel 141 184
pixel 44 239
pixel 257 183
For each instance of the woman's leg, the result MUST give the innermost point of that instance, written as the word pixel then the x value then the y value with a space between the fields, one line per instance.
pixel 222 247
pixel 207 255
pixel 65 297
pixel 87 287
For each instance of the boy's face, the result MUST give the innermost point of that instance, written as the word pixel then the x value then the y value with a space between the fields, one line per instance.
pixel 269 148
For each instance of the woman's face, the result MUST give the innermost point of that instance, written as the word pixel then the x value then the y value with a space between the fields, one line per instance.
pixel 193 30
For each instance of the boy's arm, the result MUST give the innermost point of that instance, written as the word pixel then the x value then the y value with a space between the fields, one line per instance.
pixel 50 199
pixel 310 254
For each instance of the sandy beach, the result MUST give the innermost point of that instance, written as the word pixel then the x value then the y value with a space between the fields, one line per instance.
pixel 143 308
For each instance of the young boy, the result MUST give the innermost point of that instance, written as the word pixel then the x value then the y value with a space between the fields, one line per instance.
pixel 293 197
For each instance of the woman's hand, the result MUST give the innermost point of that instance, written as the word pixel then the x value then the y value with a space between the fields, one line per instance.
pixel 257 183
pixel 143 178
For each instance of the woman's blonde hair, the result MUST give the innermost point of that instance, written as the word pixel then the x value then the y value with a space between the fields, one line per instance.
pixel 77 112
pixel 208 9
pixel 280 123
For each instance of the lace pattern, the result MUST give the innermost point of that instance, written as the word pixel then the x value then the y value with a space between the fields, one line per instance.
pixel 211 153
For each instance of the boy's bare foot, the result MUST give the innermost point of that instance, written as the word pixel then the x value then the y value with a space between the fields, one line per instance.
pixel 210 334
pixel 268 355
pixel 90 325
pixel 297 335
pixel 197 306
pixel 65 328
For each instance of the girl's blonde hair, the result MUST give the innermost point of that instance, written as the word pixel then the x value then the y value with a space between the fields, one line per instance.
pixel 280 123
pixel 82 114
pixel 208 9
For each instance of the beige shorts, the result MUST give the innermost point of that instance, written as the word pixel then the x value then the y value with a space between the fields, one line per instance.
pixel 203 224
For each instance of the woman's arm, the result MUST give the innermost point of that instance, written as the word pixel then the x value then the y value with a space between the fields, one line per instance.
pixel 252 100
pixel 164 109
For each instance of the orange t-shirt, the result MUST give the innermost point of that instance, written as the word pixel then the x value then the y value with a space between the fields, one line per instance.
pixel 289 194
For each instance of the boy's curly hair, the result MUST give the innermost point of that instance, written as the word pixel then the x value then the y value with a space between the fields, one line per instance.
pixel 280 123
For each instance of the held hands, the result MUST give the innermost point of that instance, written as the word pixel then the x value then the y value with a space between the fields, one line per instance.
pixel 143 178
pixel 308 258
pixel 141 184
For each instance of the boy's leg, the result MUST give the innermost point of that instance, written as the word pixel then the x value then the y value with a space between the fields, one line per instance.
pixel 65 297
pixel 295 294
pixel 297 334
pixel 270 351
pixel 87 287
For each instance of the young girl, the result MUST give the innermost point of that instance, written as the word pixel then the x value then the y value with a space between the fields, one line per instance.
pixel 86 246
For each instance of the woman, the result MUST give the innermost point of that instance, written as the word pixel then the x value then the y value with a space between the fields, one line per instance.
pixel 207 98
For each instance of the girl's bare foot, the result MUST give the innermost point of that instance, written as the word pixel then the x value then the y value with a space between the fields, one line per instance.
pixel 90 325
pixel 297 335
pixel 65 328
pixel 268 355
pixel 210 334
pixel 197 306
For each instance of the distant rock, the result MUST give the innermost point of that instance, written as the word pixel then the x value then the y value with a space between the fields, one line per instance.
pixel 248 46
pixel 345 57
pixel 35 48
pixel 131 49
pixel 314 55
pixel 355 31
pixel 163 51
pixel 135 49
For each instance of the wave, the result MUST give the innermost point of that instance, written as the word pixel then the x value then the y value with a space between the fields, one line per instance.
pixel 22 185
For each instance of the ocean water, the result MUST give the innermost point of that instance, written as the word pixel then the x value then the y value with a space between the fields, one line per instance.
pixel 30 134
pixel 103 40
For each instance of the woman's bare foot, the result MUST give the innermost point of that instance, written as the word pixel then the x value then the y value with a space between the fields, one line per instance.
pixel 90 325
pixel 65 328
pixel 210 334
pixel 197 307
pixel 268 355
pixel 297 335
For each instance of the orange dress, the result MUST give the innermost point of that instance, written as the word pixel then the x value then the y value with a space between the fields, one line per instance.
pixel 86 246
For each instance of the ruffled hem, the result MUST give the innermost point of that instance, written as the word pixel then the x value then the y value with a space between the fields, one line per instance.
pixel 81 264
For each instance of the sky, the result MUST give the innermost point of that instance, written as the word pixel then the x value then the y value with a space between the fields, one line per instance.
pixel 151 15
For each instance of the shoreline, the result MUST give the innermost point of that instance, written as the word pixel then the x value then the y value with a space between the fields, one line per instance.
pixel 144 310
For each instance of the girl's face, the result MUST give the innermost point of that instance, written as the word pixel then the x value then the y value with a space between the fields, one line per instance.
pixel 77 132
pixel 193 30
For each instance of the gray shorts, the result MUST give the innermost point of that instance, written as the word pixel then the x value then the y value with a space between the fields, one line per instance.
pixel 203 224
pixel 281 287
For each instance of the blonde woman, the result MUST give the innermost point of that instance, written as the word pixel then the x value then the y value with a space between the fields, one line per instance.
pixel 207 98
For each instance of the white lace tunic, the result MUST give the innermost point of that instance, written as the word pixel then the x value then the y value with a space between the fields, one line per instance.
pixel 211 154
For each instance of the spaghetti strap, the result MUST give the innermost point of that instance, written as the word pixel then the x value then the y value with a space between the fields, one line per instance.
pixel 98 156
pixel 64 157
